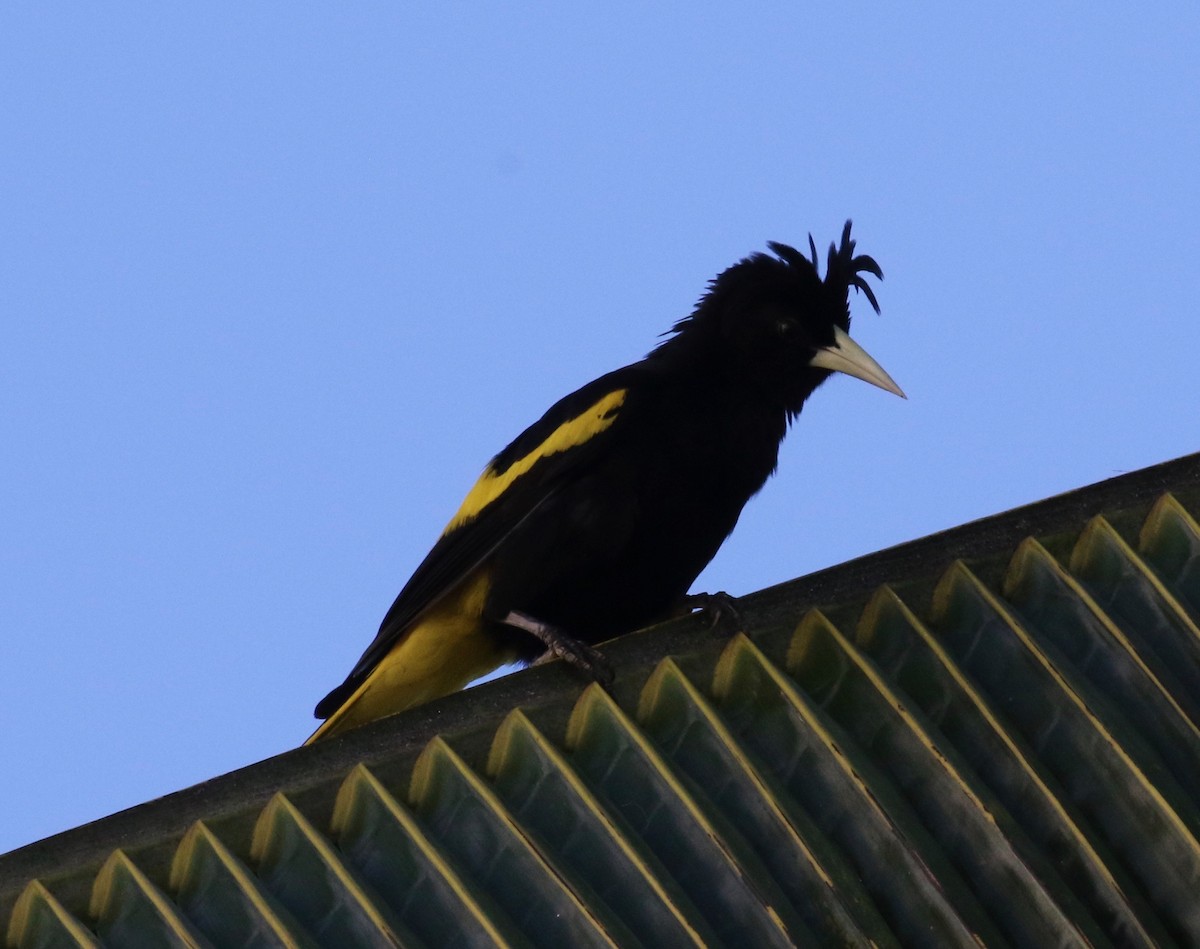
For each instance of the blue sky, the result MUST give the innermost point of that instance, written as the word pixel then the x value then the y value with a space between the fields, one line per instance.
pixel 277 281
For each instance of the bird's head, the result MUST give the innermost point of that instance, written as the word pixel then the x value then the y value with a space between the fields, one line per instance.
pixel 777 325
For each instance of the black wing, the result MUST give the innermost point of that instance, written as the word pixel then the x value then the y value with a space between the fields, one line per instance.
pixel 560 447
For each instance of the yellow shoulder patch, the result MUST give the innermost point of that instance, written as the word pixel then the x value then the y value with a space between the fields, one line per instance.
pixel 572 432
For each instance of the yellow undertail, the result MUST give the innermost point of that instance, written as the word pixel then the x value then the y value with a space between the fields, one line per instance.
pixel 447 648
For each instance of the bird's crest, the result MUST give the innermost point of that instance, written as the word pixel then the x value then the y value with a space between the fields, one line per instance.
pixel 842 269
pixel 745 279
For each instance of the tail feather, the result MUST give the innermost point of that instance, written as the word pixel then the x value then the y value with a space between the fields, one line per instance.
pixel 447 648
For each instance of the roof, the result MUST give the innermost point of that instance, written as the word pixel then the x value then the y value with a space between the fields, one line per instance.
pixel 988 735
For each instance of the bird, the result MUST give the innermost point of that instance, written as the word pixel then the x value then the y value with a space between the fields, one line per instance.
pixel 597 518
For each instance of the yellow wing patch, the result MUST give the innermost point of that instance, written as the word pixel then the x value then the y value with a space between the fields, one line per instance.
pixel 574 431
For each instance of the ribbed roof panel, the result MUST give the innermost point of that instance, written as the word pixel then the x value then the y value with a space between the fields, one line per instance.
pixel 1004 753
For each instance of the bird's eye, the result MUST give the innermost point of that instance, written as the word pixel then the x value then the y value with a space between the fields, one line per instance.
pixel 784 327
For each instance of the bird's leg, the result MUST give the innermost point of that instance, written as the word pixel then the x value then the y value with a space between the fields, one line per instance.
pixel 561 646
pixel 720 609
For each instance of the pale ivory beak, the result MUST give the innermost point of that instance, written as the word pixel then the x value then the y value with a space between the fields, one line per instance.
pixel 845 355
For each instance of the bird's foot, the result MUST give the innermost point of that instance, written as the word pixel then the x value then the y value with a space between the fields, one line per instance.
pixel 719 609
pixel 559 645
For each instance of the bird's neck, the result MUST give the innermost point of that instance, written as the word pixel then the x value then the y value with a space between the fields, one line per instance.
pixel 749 390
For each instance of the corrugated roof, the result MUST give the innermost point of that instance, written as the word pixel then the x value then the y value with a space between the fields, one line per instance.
pixel 990 736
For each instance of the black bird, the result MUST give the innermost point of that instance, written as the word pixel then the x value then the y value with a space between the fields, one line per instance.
pixel 596 519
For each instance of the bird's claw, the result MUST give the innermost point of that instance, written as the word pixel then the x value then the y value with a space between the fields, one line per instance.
pixel 719 609
pixel 585 658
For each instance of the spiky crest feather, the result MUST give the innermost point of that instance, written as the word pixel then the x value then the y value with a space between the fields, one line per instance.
pixel 843 270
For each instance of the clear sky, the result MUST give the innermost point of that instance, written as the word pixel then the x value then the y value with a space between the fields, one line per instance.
pixel 278 279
